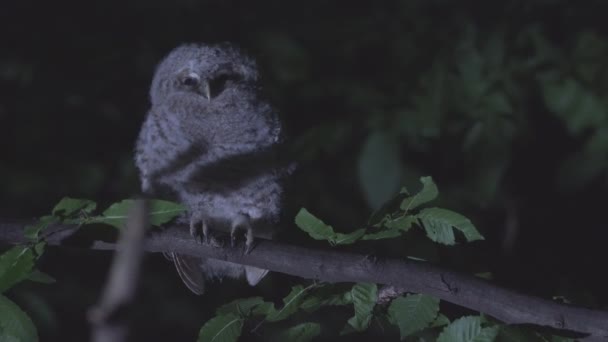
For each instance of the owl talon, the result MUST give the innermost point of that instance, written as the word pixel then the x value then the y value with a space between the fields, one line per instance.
pixel 232 240
pixel 249 241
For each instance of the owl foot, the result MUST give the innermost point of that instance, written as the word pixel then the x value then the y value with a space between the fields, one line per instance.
pixel 242 222
pixel 201 233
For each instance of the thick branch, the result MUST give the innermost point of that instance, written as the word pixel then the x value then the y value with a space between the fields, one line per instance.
pixel 339 266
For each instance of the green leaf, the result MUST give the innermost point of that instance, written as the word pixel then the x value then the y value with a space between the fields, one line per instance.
pixel 347 239
pixel 380 168
pixel 40 277
pixel 32 231
pixel 291 303
pixel 160 212
pixel 67 207
pixel 15 265
pixel 468 329
pixel 364 299
pixel 15 324
pixel 300 333
pixel 440 321
pixel 438 225
pixel 513 333
pixel 324 296
pixel 392 228
pixel 240 307
pixel 403 223
pixel 383 234
pixel 318 230
pixel 428 193
pixel 413 313
pixel 221 328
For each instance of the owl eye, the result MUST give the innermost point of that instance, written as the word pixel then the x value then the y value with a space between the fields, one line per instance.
pixel 218 84
pixel 191 80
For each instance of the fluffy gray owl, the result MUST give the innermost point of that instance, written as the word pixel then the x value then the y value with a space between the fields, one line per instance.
pixel 210 141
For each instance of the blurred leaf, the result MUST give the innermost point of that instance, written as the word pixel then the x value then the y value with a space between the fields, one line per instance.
pixel 575 105
pixel 428 193
pixel 69 206
pixel 438 224
pixel 468 329
pixel 160 212
pixel 380 169
pixel 364 299
pixel 15 324
pixel 413 313
pixel 40 277
pixel 300 333
pixel 221 328
pixel 16 264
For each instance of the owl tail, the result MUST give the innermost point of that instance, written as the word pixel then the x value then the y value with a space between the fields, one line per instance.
pixel 195 271
pixel 189 269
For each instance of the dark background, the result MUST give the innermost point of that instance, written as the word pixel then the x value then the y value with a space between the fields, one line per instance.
pixel 503 103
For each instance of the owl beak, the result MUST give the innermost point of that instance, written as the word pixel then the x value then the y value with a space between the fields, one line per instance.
pixel 206 90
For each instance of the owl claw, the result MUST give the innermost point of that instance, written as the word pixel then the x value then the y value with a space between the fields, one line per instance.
pixel 242 222
pixel 249 241
pixel 194 229
pixel 201 233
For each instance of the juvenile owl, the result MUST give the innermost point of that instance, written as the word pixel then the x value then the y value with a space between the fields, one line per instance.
pixel 209 141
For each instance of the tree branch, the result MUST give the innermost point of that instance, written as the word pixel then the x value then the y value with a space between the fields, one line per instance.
pixel 339 266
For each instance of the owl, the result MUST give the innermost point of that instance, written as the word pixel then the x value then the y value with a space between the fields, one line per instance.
pixel 210 142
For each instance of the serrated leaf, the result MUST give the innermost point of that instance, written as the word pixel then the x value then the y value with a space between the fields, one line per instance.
pixel 440 321
pixel 39 248
pixel 438 224
pixel 428 193
pixel 318 230
pixel 391 228
pixel 40 277
pixel 291 303
pixel 347 239
pixel 15 324
pixel 413 313
pixel 324 297
pixel 364 298
pixel 468 329
pixel 160 212
pixel 15 265
pixel 67 207
pixel 303 332
pixel 221 328
pixel 403 223
pixel 33 231
pixel 383 234
pixel 240 307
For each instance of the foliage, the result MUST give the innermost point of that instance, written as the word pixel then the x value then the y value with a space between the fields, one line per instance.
pixel 503 103
pixel 437 222
pixel 18 263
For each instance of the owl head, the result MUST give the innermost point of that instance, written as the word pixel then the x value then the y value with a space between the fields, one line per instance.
pixel 202 70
